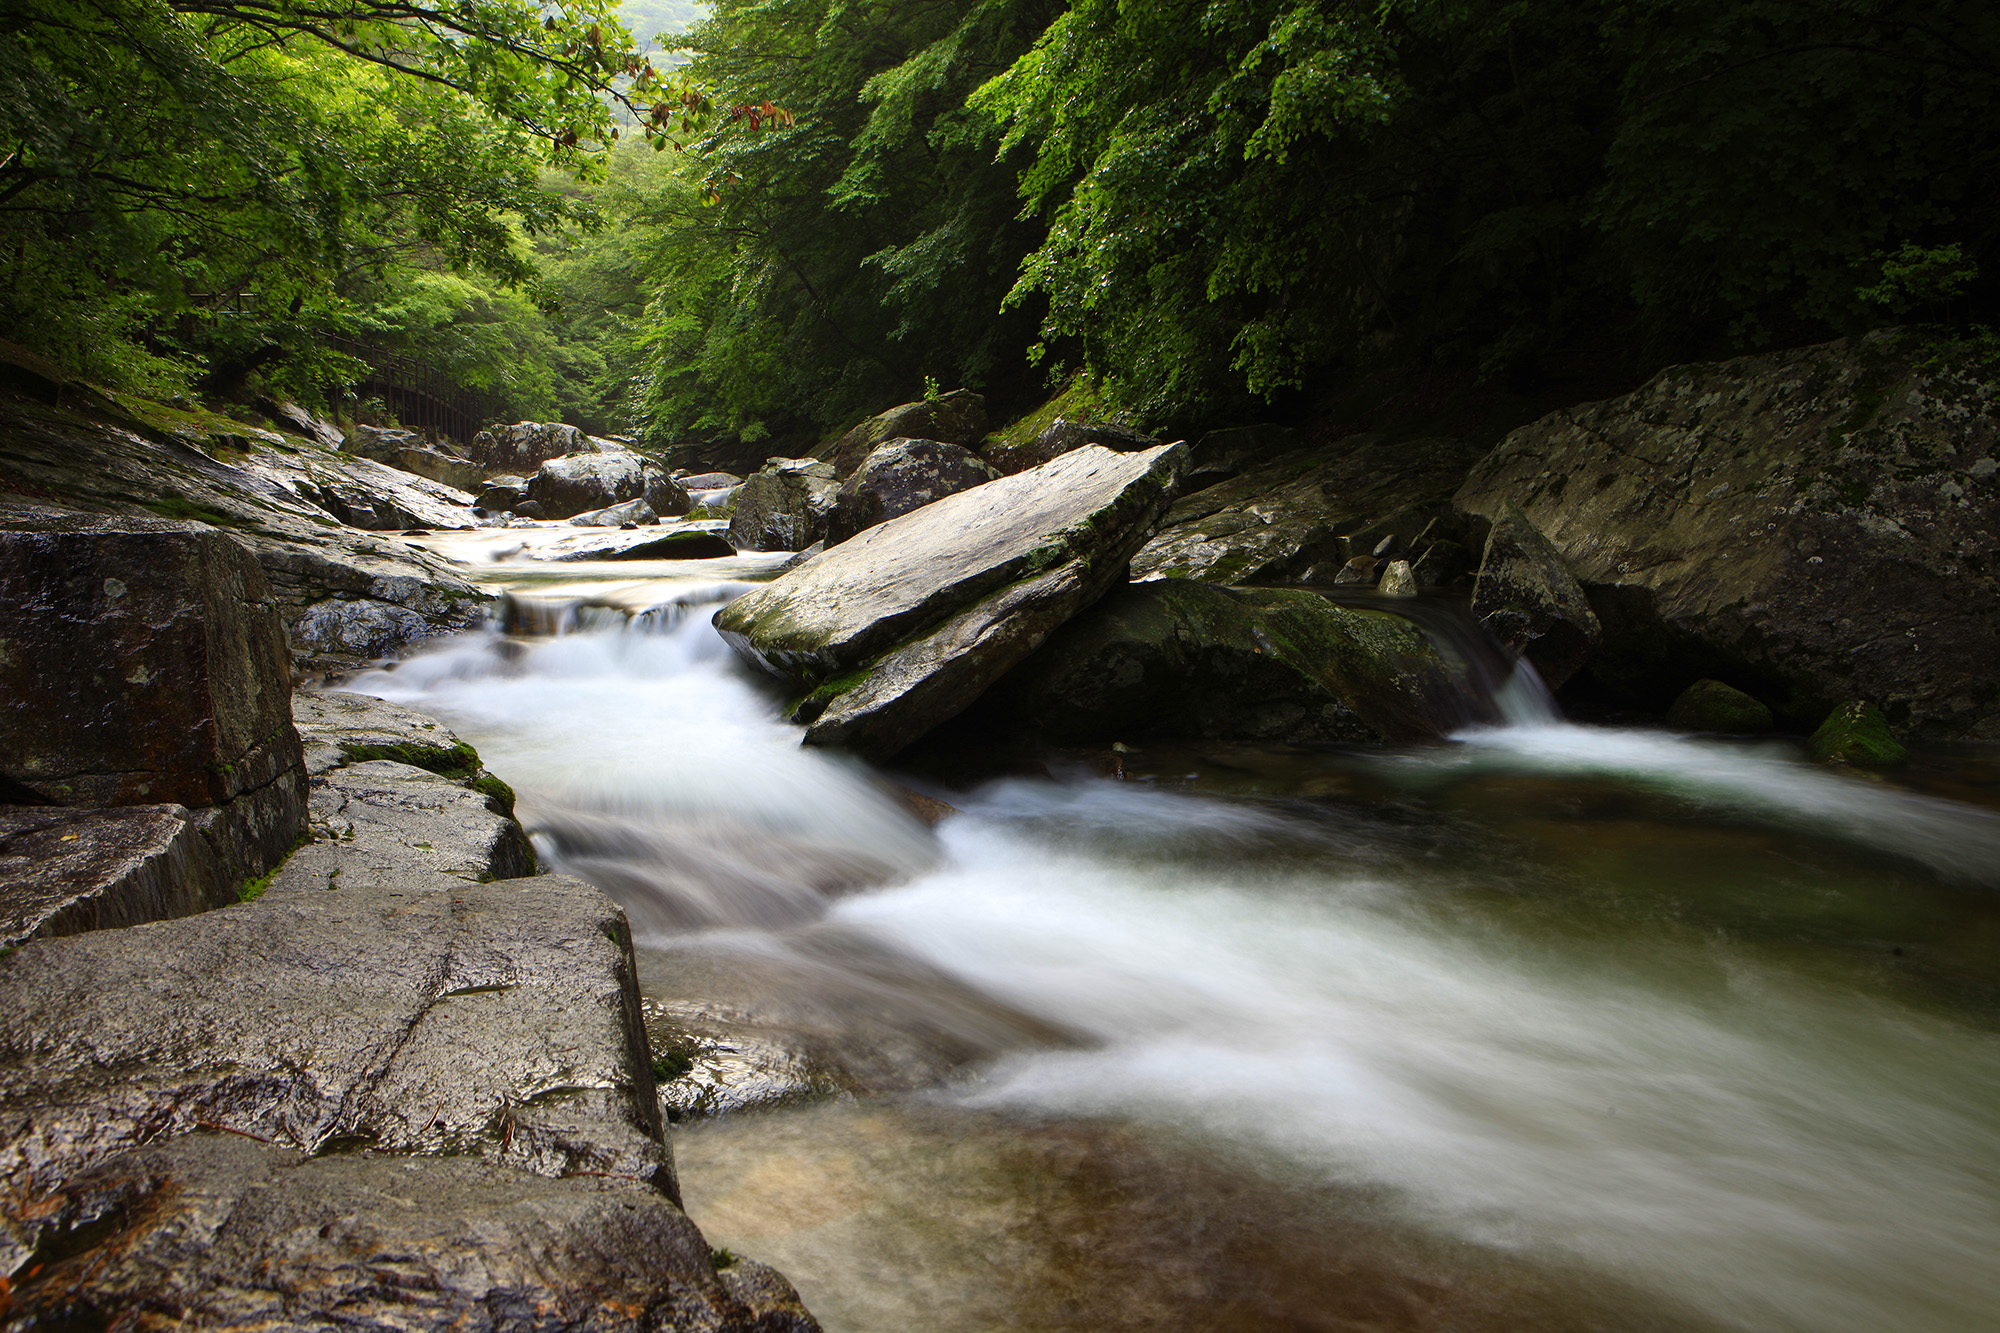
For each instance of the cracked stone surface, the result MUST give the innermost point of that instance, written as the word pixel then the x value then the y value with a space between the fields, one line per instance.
pixel 217 1231
pixel 1809 526
pixel 433 1018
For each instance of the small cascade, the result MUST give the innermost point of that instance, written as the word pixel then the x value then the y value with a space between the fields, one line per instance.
pixel 1499 687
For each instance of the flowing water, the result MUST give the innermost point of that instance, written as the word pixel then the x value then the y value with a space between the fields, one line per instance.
pixel 1549 1027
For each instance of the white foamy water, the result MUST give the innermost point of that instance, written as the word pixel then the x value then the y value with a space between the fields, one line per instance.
pixel 1773 1149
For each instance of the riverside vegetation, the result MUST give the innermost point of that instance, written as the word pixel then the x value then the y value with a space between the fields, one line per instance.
pixel 1189 459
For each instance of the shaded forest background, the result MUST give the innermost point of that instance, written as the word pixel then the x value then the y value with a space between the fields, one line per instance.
pixel 1204 210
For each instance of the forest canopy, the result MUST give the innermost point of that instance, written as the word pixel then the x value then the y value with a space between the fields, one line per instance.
pixel 1203 206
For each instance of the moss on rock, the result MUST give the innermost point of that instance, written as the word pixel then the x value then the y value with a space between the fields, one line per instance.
pixel 1857 733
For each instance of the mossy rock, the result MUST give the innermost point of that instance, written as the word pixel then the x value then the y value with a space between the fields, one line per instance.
pixel 499 796
pixel 1710 705
pixel 1857 733
pixel 457 761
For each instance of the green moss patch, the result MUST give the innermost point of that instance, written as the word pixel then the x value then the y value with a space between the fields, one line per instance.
pixel 1857 733
pixel 458 762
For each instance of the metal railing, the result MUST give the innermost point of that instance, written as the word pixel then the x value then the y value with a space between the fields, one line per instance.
pixel 423 397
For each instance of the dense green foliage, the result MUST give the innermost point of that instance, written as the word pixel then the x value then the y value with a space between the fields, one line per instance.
pixel 1233 197
pixel 334 159
pixel 1202 204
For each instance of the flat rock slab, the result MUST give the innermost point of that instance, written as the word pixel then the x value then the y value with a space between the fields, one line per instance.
pixel 338 727
pixel 445 1018
pixel 903 625
pixel 63 871
pixel 217 1231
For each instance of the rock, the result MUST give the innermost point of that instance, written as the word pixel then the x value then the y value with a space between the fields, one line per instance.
pixel 524 446
pixel 801 557
pixel 709 481
pixel 530 509
pixel 427 1017
pixel 64 871
pixel 263 490
pixel 1824 522
pixel 904 625
pixel 1398 580
pixel 218 1231
pixel 784 507
pixel 635 512
pixel 394 794
pixel 501 498
pixel 1710 705
pixel 1059 438
pixel 958 417
pixel 901 475
pixel 1181 659
pixel 1278 521
pixel 580 482
pixel 1857 733
pixel 1360 572
pixel 142 663
pixel 1439 563
pixel 380 443
pixel 1234 450
pixel 441 465
pixel 686 544
pixel 1527 599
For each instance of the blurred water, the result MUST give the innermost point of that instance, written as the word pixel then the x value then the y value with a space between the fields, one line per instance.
pixel 1592 1076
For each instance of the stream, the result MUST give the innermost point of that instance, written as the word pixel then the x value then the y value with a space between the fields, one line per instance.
pixel 1549 1027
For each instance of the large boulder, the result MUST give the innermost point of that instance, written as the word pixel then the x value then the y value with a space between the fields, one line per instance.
pixel 1061 436
pixel 958 417
pixel 577 483
pixel 903 626
pixel 1304 515
pixel 901 475
pixel 1180 659
pixel 524 446
pixel 783 507
pixel 1526 598
pixel 144 662
pixel 1817 525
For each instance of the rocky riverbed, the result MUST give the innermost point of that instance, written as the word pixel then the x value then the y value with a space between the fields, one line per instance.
pixel 305 1025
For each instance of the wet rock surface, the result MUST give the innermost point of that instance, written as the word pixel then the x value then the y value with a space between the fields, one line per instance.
pixel 145 662
pixel 1181 659
pixel 901 475
pixel 219 1231
pixel 901 627
pixel 1527 598
pixel 578 483
pixel 1824 522
pixel 64 871
pixel 395 793
pixel 783 507
pixel 525 445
